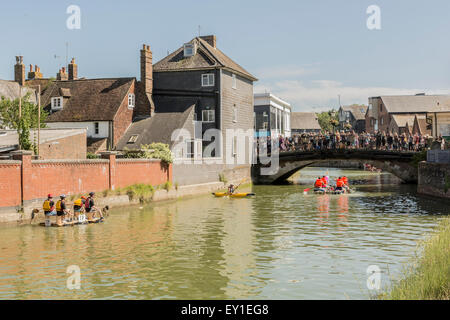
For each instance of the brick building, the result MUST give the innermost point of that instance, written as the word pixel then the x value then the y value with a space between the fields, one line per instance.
pixel 355 115
pixel 391 113
pixel 106 107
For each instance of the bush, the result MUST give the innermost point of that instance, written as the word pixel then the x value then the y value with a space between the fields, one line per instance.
pixel 167 186
pixel 91 155
pixel 141 191
pixel 159 151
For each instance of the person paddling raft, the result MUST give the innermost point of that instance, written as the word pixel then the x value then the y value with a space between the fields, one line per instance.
pixel 61 210
pixel 339 184
pixel 319 185
pixel 90 207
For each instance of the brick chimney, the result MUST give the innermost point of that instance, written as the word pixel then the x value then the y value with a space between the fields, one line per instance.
pixel 211 39
pixel 144 90
pixel 147 69
pixel 36 74
pixel 62 74
pixel 73 70
pixel 19 71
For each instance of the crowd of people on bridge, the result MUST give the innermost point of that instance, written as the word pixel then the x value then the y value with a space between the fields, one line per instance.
pixel 352 140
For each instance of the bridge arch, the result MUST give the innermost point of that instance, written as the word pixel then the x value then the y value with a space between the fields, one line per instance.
pixel 397 163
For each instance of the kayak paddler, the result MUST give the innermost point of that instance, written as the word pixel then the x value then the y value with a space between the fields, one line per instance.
pixel 231 189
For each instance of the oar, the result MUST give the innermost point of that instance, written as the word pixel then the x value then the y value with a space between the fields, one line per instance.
pixel 239 185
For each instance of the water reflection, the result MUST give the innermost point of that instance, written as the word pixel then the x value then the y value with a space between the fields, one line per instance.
pixel 280 245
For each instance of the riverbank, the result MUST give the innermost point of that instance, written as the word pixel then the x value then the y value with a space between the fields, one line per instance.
pixel 428 276
pixel 122 197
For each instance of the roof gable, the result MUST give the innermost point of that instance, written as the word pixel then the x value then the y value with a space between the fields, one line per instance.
pixel 413 104
pixel 207 57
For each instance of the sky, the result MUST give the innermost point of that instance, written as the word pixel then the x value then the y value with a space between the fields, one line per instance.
pixel 306 52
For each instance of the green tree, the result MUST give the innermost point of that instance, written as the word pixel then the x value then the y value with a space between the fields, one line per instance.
pixel 326 119
pixel 9 118
pixel 151 151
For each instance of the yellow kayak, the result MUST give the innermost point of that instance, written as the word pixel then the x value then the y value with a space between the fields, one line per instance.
pixel 234 195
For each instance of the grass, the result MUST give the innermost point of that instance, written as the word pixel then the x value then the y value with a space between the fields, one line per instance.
pixel 428 277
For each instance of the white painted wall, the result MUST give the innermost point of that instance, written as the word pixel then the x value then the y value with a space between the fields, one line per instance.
pixel 90 126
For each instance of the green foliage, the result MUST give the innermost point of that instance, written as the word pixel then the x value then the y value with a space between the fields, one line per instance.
pixel 9 116
pixel 141 191
pixel 167 186
pixel 428 276
pixel 159 151
pixel 91 155
pixel 328 119
pixel 222 178
pixel 419 157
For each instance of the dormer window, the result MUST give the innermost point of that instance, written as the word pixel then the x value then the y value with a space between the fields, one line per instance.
pixel 189 49
pixel 57 103
pixel 131 101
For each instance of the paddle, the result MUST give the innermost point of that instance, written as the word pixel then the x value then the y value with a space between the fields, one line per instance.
pixel 306 191
pixel 238 186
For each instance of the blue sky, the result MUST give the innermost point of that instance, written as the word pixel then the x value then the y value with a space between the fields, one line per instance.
pixel 307 52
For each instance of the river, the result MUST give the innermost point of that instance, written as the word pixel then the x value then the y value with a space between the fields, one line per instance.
pixel 281 244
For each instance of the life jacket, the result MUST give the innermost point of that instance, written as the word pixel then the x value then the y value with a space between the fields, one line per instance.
pixel 46 206
pixel 87 203
pixel 319 183
pixel 58 205
pixel 339 183
pixel 345 180
pixel 78 202
pixel 324 180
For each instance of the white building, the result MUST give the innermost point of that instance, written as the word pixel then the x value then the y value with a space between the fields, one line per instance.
pixel 272 115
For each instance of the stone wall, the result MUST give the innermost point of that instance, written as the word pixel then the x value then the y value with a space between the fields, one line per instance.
pixel 434 179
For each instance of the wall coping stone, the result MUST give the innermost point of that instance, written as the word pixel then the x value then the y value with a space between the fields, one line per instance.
pixel 69 161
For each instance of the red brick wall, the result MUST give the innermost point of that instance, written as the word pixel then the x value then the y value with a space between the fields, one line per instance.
pixel 10 183
pixel 74 177
pixel 131 171
pixel 68 177
pixel 123 117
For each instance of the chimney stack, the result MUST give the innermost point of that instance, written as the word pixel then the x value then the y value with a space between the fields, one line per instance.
pixel 211 39
pixel 73 70
pixel 62 74
pixel 19 71
pixel 36 74
pixel 147 69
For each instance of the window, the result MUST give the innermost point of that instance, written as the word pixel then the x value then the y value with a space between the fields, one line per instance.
pixel 57 103
pixel 133 138
pixel 208 116
pixel 96 128
pixel 208 80
pixel 382 121
pixel 233 81
pixel 235 113
pixel 190 149
pixel 131 100
pixel 381 107
pixel 189 50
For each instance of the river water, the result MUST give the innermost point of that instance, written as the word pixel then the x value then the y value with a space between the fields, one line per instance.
pixel 281 244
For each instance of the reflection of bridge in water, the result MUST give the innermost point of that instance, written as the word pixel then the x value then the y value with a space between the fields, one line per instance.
pixel 398 163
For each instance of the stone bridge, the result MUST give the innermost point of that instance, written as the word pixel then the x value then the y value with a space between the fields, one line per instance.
pixel 397 163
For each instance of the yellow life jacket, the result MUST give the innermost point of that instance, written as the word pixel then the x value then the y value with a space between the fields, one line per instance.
pixel 78 202
pixel 58 205
pixel 46 206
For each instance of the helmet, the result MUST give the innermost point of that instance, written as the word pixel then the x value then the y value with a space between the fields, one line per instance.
pixel 91 193
pixel 62 196
pixel 49 195
pixel 83 197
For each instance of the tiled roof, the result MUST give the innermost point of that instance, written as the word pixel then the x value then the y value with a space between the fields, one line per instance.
pixel 413 104
pixel 158 128
pixel 358 111
pixel 304 121
pixel 87 99
pixel 207 57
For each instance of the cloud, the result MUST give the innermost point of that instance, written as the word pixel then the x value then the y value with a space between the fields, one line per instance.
pixel 319 95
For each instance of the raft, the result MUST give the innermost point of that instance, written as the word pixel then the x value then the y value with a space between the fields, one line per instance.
pixel 323 191
pixel 73 223
pixel 234 195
